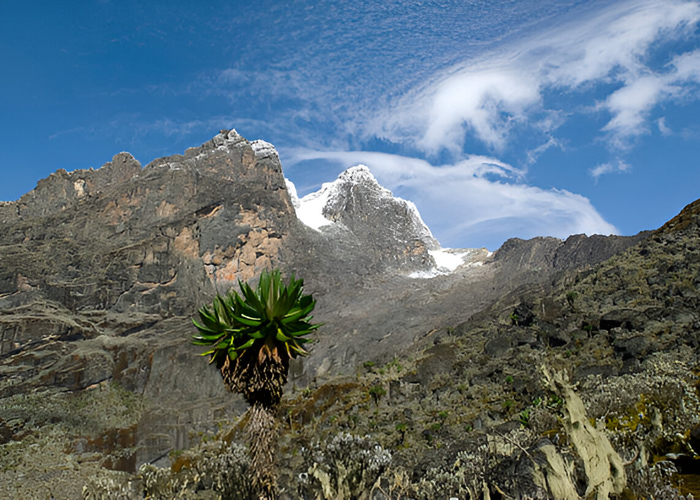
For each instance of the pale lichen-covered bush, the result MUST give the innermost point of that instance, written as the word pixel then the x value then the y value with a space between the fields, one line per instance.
pixel 221 468
pixel 664 385
pixel 211 470
pixel 654 482
pixel 114 486
pixel 473 470
pixel 647 410
pixel 465 479
pixel 647 414
pixel 344 467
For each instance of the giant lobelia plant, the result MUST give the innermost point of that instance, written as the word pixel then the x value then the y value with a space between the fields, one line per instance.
pixel 252 336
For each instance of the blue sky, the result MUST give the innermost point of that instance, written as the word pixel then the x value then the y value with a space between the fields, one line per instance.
pixel 496 118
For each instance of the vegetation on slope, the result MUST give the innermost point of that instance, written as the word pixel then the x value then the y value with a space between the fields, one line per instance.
pixel 476 409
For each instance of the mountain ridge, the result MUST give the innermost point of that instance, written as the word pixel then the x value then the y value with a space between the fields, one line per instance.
pixel 102 271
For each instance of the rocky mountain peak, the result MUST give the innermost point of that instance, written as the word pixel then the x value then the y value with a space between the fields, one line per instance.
pixel 357 200
pixel 264 149
pixel 356 211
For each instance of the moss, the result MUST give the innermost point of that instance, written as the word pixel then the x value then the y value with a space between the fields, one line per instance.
pixel 638 415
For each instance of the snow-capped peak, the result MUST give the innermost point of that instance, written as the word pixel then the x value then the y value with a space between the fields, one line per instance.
pixel 314 207
pixel 359 206
pixel 360 174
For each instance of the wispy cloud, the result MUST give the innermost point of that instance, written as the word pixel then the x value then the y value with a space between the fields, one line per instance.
pixel 632 104
pixel 478 200
pixel 663 128
pixel 610 167
pixel 65 132
pixel 489 96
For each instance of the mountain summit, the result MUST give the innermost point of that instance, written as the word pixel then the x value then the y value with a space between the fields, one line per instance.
pixel 355 210
pixel 357 201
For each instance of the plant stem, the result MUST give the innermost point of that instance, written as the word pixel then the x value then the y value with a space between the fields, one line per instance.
pixel 262 438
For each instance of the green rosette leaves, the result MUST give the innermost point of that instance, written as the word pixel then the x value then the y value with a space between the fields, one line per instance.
pixel 273 316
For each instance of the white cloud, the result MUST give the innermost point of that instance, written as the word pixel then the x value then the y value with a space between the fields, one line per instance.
pixel 478 200
pixel 663 128
pixel 608 168
pixel 632 104
pixel 534 154
pixel 489 96
pixel 477 100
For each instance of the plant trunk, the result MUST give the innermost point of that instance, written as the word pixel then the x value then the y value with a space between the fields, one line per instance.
pixel 262 439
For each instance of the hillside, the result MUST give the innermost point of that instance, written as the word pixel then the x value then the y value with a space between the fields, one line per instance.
pixel 582 387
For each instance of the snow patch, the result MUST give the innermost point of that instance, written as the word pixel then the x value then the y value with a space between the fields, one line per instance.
pixel 447 259
pixel 309 209
pixel 360 174
pixel 292 190
pixel 424 275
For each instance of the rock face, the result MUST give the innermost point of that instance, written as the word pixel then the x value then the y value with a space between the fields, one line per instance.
pixel 102 270
pixel 130 240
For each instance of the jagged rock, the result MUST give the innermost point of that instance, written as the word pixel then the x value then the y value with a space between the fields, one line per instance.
pixel 385 226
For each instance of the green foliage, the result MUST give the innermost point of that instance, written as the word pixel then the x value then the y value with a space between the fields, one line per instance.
pixel 553 402
pixel 514 318
pixel 272 317
pixel 376 391
pixel 524 418
pixel 509 379
pixel 508 405
pixel 394 364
